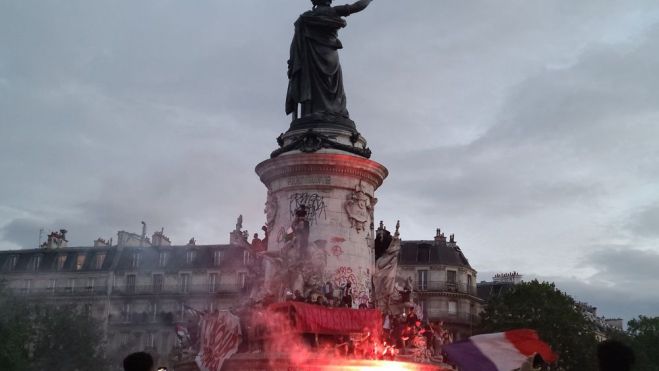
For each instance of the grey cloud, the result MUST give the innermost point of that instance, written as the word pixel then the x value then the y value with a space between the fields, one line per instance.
pixel 645 222
pixel 612 302
pixel 23 232
pixel 626 266
pixel 560 139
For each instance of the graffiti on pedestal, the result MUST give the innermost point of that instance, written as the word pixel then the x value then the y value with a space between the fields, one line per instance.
pixel 314 203
pixel 336 248
pixel 359 280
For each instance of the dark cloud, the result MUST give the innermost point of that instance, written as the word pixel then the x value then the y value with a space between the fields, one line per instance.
pixel 23 232
pixel 514 125
pixel 625 266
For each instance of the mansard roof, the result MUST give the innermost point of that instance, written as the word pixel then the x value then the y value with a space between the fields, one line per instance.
pixel 177 258
pixel 439 253
pixel 49 258
pixel 121 258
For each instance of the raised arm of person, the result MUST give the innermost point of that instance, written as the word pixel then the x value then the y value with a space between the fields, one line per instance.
pixel 357 6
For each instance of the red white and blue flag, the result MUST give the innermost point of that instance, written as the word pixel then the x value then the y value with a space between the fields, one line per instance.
pixel 501 351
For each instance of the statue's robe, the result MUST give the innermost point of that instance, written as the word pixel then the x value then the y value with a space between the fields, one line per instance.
pixel 315 78
pixel 384 278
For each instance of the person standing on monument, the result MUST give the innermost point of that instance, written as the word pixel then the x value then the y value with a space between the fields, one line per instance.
pixel 314 73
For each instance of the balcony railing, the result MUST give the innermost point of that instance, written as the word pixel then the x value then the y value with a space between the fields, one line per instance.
pixel 63 291
pixel 452 317
pixel 175 289
pixel 445 286
pixel 167 318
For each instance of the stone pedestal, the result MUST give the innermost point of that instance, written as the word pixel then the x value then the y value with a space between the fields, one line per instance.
pixel 337 191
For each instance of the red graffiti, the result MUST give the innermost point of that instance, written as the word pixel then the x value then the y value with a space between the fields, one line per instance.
pixel 337 250
pixel 344 275
pixel 337 239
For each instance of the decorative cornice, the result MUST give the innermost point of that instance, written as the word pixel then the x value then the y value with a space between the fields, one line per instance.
pixel 321 163
pixel 312 141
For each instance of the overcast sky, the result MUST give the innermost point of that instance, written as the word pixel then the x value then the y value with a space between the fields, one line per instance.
pixel 527 128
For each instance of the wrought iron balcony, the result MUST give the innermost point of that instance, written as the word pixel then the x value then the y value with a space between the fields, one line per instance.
pixel 145 318
pixel 63 291
pixel 452 317
pixel 445 286
pixel 146 290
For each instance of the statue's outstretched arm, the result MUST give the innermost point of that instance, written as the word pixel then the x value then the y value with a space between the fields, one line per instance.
pixel 358 6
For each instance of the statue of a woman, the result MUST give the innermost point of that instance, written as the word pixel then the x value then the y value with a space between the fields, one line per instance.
pixel 314 73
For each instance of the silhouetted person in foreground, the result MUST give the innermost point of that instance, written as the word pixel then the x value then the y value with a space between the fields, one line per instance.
pixel 614 356
pixel 139 361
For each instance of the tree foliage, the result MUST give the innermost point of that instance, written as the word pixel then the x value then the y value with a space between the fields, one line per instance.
pixel 554 314
pixel 644 340
pixel 46 337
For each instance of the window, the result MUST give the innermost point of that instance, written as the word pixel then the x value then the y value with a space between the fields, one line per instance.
pixel 190 256
pixel 247 258
pixel 71 285
pixel 125 313
pixel 52 285
pixel 242 277
pixel 36 263
pixel 157 283
pixel 469 283
pixel 27 285
pixel 80 261
pixel 184 280
pixel 130 283
pixel 135 262
pixel 11 263
pixel 90 284
pixel 423 254
pixel 154 311
pixel 423 308
pixel 149 340
pixel 164 337
pixel 217 257
pixel 60 262
pixel 124 338
pixel 212 282
pixel 100 258
pixel 162 259
pixel 452 307
pixel 422 281
pixel 451 276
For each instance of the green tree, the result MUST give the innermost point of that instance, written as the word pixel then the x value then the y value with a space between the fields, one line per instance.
pixel 46 337
pixel 644 334
pixel 554 314
pixel 14 334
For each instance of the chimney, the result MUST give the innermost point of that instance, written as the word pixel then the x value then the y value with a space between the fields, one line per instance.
pixel 159 239
pixel 143 234
pixel 439 236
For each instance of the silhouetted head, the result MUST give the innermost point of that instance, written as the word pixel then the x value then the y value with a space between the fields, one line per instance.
pixel 321 2
pixel 614 356
pixel 140 361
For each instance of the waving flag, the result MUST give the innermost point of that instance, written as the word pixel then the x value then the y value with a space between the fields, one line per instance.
pixel 220 337
pixel 501 351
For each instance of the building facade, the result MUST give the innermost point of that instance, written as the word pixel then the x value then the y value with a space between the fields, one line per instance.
pixel 138 289
pixel 444 282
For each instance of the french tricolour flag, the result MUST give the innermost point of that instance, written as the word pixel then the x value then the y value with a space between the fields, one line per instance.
pixel 501 351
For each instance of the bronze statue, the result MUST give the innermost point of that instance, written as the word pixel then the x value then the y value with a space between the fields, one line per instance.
pixel 314 72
